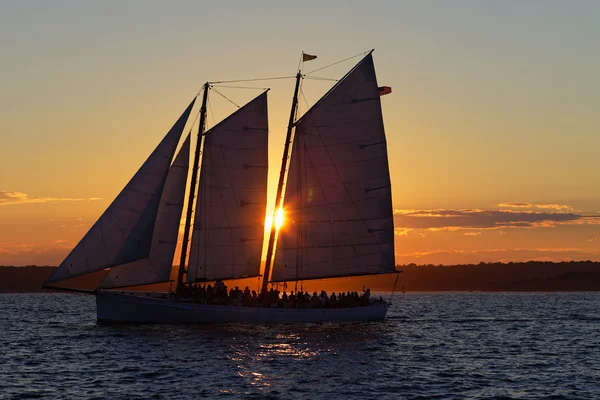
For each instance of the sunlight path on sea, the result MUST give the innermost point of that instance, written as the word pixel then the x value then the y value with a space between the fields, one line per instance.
pixel 461 345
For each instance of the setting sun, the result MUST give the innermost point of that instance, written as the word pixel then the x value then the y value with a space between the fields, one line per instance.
pixel 278 220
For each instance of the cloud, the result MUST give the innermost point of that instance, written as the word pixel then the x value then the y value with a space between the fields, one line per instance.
pixel 401 231
pixel 515 204
pixel 472 233
pixel 450 257
pixel 11 198
pixel 558 207
pixel 13 253
pixel 518 204
pixel 444 219
pixel 592 240
pixel 586 220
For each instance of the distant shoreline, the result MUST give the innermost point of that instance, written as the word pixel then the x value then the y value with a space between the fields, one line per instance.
pixel 532 276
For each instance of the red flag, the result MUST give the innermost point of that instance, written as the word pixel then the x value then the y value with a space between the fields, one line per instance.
pixel 383 90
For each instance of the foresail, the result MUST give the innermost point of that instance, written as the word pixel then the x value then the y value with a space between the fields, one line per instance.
pixel 123 234
pixel 337 204
pixel 157 267
pixel 232 195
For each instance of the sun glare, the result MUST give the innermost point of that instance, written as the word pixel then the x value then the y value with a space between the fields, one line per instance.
pixel 278 220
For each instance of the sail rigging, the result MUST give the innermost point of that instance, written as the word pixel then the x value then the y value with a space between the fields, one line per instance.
pixel 123 233
pixel 157 267
pixel 338 195
pixel 232 194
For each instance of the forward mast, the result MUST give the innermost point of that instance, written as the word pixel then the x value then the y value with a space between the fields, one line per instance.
pixel 192 194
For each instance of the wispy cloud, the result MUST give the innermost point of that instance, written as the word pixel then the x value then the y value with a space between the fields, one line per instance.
pixel 14 248
pixel 558 207
pixel 515 204
pixel 444 256
pixel 521 205
pixel 448 219
pixel 12 198
pixel 13 253
pixel 401 231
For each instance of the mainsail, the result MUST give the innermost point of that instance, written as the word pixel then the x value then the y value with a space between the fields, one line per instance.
pixel 232 195
pixel 124 232
pixel 157 267
pixel 338 205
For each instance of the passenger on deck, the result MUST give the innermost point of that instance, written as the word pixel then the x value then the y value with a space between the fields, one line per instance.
pixel 218 295
pixel 315 302
pixel 285 300
pixel 247 297
pixel 324 299
pixel 365 298
pixel 333 300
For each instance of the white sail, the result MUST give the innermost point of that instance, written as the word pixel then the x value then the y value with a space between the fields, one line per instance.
pixel 232 195
pixel 338 206
pixel 124 232
pixel 157 267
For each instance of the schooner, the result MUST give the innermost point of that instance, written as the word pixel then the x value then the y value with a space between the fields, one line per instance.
pixel 334 185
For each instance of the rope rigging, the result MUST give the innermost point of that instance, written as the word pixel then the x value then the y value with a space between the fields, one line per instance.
pixel 336 63
pixel 194 123
pixel 225 97
pixel 304 98
pixel 212 115
pixel 254 80
pixel 320 78
pixel 222 84
pixel 241 87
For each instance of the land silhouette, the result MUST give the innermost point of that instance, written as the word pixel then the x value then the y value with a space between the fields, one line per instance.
pixel 525 276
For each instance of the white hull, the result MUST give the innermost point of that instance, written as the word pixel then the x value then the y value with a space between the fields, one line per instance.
pixel 154 308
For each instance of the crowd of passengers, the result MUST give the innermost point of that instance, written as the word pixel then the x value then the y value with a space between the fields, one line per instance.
pixel 218 295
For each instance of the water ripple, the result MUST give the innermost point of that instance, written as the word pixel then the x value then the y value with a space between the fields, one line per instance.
pixel 431 346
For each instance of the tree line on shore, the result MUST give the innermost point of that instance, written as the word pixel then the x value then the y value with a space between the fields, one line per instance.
pixel 518 276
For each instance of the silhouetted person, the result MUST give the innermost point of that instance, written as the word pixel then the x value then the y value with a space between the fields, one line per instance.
pixel 333 300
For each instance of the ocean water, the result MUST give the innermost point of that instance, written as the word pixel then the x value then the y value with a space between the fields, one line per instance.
pixel 431 346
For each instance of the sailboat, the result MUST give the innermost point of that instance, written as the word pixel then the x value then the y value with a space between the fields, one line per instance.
pixel 334 189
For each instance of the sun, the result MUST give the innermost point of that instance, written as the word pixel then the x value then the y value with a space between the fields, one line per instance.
pixel 279 217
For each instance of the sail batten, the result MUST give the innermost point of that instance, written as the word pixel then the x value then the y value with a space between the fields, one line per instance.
pixel 338 194
pixel 156 268
pixel 123 233
pixel 231 203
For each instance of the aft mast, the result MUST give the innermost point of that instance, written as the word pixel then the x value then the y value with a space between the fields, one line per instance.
pixel 188 215
pixel 279 197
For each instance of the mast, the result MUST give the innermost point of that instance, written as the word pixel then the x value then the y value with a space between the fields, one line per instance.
pixel 192 194
pixel 278 197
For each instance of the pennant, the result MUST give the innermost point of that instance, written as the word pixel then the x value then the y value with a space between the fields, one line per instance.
pixel 383 90
pixel 307 57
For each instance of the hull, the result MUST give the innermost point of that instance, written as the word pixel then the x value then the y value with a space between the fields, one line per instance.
pixel 159 309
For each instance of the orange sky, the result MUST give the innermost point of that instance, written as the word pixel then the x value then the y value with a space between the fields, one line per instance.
pixel 492 127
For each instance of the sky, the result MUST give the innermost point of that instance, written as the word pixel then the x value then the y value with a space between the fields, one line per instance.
pixel 492 127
